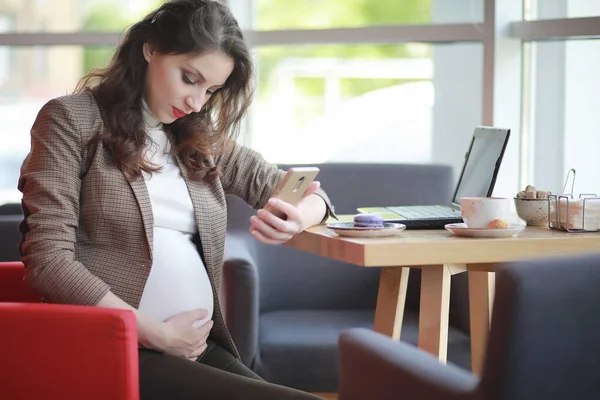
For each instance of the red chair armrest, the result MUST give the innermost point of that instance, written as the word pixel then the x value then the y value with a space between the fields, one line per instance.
pixel 54 351
pixel 12 286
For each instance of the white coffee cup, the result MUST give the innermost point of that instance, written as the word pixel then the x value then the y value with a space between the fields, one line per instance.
pixel 483 212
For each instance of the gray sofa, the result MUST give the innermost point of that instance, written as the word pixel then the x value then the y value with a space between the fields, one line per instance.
pixel 543 344
pixel 10 216
pixel 286 308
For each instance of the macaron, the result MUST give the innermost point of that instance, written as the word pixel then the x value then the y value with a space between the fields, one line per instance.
pixel 368 220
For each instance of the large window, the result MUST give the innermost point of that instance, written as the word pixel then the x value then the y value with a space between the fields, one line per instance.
pixel 410 78
pixel 403 79
pixel 564 90
pixel 69 16
pixel 565 124
pixel 327 102
pixel 327 14
pixel 32 76
pixel 560 9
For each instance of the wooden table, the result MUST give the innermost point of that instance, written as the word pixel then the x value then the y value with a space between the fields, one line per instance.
pixel 439 255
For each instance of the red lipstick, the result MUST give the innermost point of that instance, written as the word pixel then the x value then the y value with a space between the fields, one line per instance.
pixel 177 113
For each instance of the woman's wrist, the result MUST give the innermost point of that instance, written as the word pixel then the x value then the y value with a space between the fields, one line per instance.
pixel 151 334
pixel 313 208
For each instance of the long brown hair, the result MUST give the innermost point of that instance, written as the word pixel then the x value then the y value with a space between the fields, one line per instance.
pixel 177 27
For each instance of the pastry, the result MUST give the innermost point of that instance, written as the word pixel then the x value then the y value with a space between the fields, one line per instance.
pixel 498 224
pixel 368 220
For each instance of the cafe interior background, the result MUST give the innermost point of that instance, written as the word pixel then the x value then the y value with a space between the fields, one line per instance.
pixel 406 79
pixel 391 81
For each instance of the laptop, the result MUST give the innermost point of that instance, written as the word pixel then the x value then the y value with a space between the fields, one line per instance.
pixel 477 179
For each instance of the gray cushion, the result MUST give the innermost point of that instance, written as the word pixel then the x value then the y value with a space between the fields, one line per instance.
pixel 545 330
pixel 543 343
pixel 374 367
pixel 349 186
pixel 299 348
pixel 10 237
pixel 11 209
pixel 277 334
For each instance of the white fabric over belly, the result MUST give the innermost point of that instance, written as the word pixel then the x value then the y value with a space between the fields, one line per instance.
pixel 178 280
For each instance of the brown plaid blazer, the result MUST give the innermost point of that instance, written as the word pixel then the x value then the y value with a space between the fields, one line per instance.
pixel 87 229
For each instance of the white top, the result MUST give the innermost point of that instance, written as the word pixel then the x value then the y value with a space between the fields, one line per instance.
pixel 178 280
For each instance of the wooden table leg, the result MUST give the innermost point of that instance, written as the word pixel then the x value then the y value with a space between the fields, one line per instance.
pixel 434 310
pixel 481 298
pixel 391 300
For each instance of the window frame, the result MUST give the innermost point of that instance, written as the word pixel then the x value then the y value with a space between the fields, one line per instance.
pixel 506 33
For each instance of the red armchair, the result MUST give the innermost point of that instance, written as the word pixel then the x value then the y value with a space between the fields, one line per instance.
pixel 50 351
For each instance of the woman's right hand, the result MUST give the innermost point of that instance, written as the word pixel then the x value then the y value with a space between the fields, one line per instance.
pixel 182 338
pixel 179 335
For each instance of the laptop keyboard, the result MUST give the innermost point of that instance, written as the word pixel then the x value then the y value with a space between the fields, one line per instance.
pixel 425 212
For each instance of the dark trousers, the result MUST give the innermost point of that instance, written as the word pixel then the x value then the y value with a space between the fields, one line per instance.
pixel 215 375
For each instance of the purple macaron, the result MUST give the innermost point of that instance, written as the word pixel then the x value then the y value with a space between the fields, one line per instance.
pixel 368 220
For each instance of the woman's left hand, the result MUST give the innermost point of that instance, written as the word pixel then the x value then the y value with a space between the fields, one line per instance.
pixel 270 229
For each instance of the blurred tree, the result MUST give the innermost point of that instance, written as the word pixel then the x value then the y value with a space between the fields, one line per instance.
pixel 311 14
pixel 323 14
pixel 101 18
pixel 108 16
pixel 295 14
pixel 319 14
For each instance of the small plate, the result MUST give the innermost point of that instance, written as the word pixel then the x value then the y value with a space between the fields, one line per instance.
pixel 348 229
pixel 463 230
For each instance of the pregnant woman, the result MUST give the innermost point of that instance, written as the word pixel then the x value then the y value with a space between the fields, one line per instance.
pixel 124 197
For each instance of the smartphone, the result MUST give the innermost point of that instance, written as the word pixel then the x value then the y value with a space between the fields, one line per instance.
pixel 292 187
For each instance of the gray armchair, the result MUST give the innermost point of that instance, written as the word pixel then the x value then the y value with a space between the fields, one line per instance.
pixel 285 308
pixel 10 216
pixel 543 344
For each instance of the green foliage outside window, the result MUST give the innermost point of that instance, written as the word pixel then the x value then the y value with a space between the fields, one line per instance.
pixel 300 14
pixel 323 14
pixel 104 17
pixel 307 14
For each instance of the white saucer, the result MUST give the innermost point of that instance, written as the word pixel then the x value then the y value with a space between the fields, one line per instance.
pixel 348 229
pixel 463 230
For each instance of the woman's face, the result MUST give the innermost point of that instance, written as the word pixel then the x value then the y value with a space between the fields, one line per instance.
pixel 177 85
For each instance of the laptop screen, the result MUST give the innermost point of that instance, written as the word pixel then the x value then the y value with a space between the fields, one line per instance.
pixel 482 163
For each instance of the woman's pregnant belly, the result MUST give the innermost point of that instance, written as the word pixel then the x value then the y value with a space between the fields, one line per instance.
pixel 178 279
